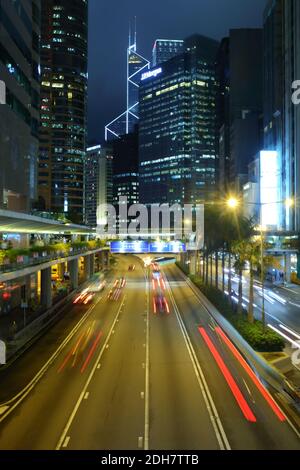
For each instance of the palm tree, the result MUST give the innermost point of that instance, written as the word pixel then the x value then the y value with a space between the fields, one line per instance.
pixel 239 249
pixel 253 255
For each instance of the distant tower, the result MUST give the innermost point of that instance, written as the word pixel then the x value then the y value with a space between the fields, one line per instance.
pixel 136 66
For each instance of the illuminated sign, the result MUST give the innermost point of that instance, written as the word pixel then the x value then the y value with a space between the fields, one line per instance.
pixel 151 73
pixel 270 184
pixel 145 247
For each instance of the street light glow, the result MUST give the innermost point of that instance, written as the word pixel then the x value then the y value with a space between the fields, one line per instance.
pixel 232 203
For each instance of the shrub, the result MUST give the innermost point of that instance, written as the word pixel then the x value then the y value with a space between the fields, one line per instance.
pixel 261 339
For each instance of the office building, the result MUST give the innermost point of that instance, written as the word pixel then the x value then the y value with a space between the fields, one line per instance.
pixel 98 188
pixel 126 168
pixel 240 104
pixel 178 131
pixel 281 115
pixel 166 49
pixel 63 106
pixel 19 113
pixel 137 65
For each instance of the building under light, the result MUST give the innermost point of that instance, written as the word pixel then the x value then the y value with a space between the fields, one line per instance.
pixel 178 130
pixel 136 66
pixel 281 115
pixel 20 24
pixel 98 188
pixel 63 106
pixel 166 49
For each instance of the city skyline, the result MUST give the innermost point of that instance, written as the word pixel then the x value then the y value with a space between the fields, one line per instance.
pixel 178 22
pixel 149 283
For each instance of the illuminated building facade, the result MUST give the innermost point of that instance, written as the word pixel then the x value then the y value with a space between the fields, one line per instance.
pixel 166 49
pixel 178 130
pixel 19 108
pixel 63 106
pixel 136 66
pixel 281 115
pixel 98 188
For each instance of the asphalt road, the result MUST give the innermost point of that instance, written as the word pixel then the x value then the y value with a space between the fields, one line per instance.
pixel 127 378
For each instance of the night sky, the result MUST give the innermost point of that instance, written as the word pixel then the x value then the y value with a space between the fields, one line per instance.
pixel 165 19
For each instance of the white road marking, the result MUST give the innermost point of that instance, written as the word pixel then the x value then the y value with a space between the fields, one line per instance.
pixel 98 366
pixel 289 331
pixel 210 405
pixel 142 395
pixel 86 395
pixel 247 387
pixel 140 442
pixel 67 440
pixel 290 340
pixel 3 409
pixel 293 303
pixel 73 414
pixel 27 389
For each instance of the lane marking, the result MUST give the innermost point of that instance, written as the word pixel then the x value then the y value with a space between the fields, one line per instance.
pixel 140 442
pixel 264 392
pixel 247 387
pixel 239 397
pixel 98 366
pixel 290 340
pixel 142 395
pixel 67 440
pixel 3 409
pixel 86 396
pixel 19 397
pixel 208 400
pixel 91 352
pixel 189 283
pixel 77 405
pixel 289 331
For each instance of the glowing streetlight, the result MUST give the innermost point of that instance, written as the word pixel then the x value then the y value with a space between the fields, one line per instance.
pixel 232 203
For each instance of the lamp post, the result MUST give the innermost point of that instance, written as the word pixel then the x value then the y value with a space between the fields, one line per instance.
pixel 233 203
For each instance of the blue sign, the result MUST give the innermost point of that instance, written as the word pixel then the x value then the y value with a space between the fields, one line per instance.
pixel 129 247
pixel 151 73
pixel 140 246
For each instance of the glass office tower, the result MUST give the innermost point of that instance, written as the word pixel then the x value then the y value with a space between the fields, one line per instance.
pixel 166 49
pixel 63 106
pixel 178 127
pixel 19 111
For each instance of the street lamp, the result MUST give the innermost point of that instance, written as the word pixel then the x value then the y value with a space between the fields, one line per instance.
pixel 233 203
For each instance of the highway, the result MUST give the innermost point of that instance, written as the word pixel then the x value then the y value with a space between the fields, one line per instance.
pixel 116 375
pixel 282 306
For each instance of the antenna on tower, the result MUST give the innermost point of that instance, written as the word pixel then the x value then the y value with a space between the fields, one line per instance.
pixel 129 43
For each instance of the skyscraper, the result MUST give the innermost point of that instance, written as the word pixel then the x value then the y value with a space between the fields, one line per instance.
pixel 19 117
pixel 281 115
pixel 98 182
pixel 178 131
pixel 126 167
pixel 166 49
pixel 240 103
pixel 63 106
pixel 136 66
